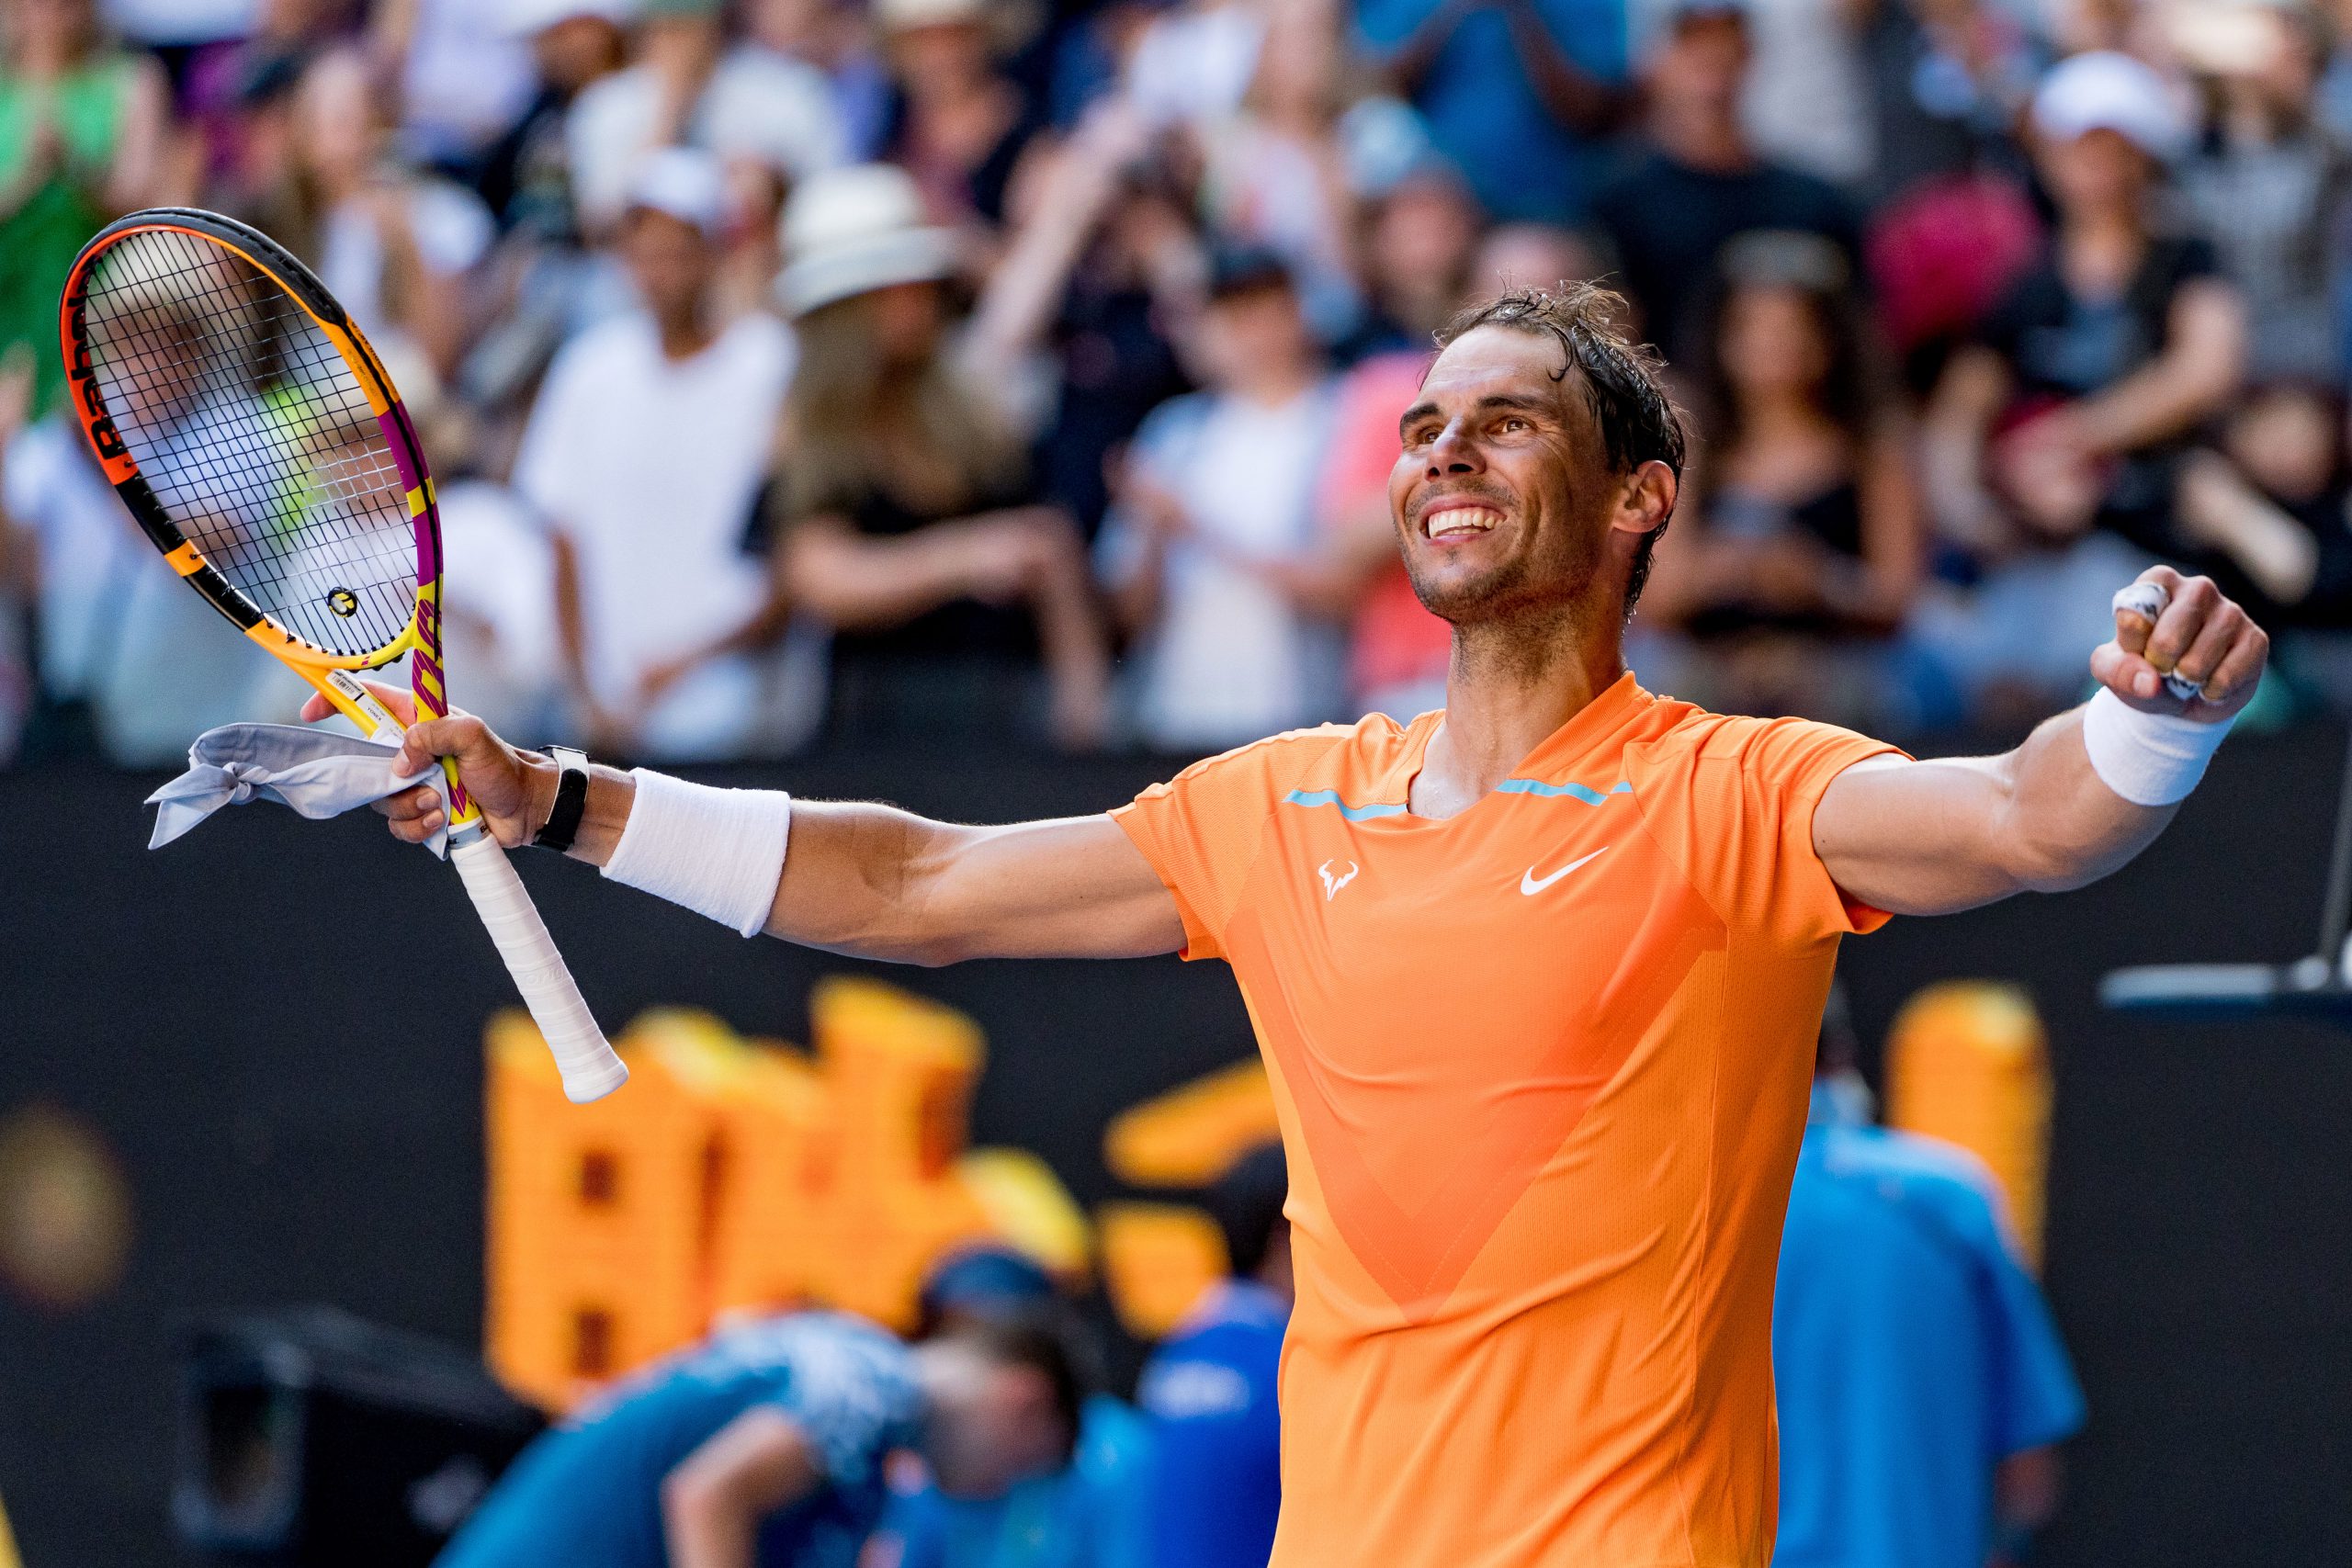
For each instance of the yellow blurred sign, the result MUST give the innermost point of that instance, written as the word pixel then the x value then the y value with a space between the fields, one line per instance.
pixel 1968 1062
pixel 739 1175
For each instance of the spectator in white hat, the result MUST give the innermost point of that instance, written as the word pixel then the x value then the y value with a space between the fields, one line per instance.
pixel 645 453
pixel 904 512
pixel 2054 441
pixel 689 87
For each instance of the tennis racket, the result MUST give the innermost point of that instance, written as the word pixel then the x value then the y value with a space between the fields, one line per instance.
pixel 253 434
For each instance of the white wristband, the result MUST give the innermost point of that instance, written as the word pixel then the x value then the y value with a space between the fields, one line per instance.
pixel 717 852
pixel 2149 759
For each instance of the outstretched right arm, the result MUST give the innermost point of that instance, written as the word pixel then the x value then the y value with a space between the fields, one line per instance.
pixel 867 880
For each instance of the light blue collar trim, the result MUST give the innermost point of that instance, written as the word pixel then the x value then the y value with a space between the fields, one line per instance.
pixel 1509 786
pixel 1331 797
pixel 1573 790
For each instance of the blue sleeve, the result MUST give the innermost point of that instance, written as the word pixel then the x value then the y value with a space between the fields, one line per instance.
pixel 2036 1400
pixel 1115 1458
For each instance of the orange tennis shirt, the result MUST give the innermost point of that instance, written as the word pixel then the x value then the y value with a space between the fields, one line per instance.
pixel 1543 1069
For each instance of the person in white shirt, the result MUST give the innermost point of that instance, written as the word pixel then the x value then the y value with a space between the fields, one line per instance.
pixel 1212 551
pixel 689 87
pixel 645 455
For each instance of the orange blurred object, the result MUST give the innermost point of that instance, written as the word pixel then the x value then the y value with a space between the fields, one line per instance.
pixel 1968 1062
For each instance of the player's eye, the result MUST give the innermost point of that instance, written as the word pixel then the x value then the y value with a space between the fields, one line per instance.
pixel 1513 424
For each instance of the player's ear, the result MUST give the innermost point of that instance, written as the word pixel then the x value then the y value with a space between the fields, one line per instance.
pixel 1645 498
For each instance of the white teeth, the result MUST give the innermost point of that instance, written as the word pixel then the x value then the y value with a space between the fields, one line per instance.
pixel 1448 520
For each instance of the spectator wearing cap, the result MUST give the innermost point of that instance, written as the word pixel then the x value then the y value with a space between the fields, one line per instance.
pixel 690 88
pixel 644 454
pixel 1800 544
pixel 2053 442
pixel 1211 551
pixel 1921 1383
pixel 957 122
pixel 1693 180
pixel 903 508
pixel 1209 1390
pixel 1519 94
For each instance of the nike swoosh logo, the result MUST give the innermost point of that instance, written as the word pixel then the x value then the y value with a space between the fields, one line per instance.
pixel 1529 884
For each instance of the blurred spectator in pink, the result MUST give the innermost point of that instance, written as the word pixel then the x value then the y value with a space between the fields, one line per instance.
pixel 904 512
pixel 644 456
pixel 2053 444
pixel 1799 544
pixel 689 86
pixel 1519 94
pixel 1211 551
pixel 82 130
pixel 1693 180
pixel 2271 186
pixel 837 37
pixel 1274 173
pixel 959 122
pixel 396 248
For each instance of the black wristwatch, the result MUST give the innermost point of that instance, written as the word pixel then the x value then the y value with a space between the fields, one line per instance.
pixel 570 799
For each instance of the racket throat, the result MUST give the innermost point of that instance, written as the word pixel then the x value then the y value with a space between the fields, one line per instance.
pixel 362 707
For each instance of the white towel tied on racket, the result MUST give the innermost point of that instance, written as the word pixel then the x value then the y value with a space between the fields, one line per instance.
pixel 317 772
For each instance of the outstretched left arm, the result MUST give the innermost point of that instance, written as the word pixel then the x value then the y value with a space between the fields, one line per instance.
pixel 1932 837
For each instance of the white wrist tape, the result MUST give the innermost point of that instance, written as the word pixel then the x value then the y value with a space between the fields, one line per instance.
pixel 717 852
pixel 2149 759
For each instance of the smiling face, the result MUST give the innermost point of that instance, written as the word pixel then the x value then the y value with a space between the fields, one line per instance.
pixel 1503 496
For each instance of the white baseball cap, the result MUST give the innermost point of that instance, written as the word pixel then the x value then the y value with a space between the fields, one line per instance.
pixel 849 232
pixel 2104 90
pixel 528 18
pixel 686 183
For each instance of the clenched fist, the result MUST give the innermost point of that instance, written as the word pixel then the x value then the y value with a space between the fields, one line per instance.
pixel 2186 629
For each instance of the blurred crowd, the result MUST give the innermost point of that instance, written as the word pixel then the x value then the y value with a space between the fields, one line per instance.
pixel 1026 372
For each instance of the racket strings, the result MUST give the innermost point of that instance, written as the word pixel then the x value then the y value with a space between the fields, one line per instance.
pixel 256 435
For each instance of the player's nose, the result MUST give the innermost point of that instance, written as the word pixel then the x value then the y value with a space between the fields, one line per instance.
pixel 1454 453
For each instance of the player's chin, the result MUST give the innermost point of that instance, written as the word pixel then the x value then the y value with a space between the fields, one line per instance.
pixel 1452 585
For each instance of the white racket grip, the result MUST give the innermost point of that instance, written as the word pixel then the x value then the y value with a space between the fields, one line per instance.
pixel 590 1069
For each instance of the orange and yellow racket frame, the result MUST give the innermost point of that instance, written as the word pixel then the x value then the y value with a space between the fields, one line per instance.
pixel 328 671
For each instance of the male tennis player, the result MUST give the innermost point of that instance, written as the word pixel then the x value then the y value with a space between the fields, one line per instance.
pixel 1537 976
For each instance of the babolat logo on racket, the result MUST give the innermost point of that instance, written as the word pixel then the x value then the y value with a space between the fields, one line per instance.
pixel 343 603
pixel 104 437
